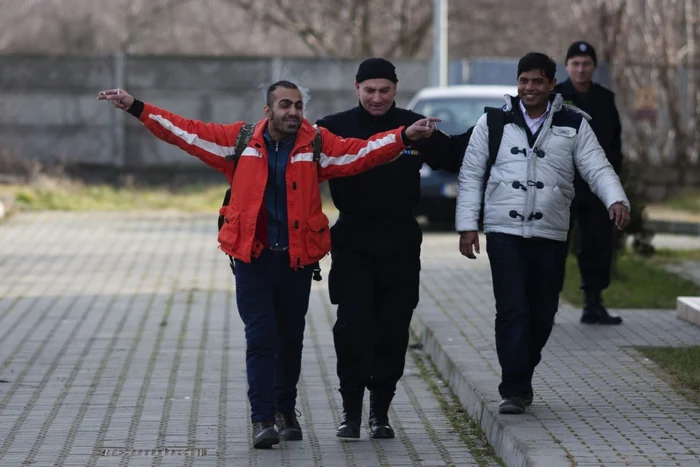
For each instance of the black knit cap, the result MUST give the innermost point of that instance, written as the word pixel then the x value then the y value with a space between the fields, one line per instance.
pixel 581 48
pixel 374 68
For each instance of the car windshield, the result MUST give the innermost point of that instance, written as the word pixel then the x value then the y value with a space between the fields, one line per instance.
pixel 458 114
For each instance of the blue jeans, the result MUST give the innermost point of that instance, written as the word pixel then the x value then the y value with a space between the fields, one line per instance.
pixel 272 300
pixel 527 277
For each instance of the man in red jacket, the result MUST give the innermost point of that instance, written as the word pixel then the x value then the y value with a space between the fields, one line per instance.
pixel 274 228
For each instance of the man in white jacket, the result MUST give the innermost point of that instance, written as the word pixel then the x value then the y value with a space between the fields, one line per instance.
pixel 526 202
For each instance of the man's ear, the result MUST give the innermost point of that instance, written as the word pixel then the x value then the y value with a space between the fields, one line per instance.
pixel 267 111
pixel 554 83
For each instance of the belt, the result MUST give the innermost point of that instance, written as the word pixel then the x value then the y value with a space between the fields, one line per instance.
pixel 278 248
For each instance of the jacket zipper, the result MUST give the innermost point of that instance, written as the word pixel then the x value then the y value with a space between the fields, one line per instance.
pixel 277 147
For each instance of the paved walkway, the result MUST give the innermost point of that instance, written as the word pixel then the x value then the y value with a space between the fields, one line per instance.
pixel 597 400
pixel 120 332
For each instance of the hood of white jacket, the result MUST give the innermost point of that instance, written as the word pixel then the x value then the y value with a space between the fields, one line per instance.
pixel 556 100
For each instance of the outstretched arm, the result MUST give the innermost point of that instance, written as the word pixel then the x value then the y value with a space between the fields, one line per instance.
pixel 210 142
pixel 443 152
pixel 343 157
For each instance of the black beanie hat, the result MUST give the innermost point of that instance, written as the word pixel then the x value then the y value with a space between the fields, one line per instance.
pixel 374 68
pixel 581 48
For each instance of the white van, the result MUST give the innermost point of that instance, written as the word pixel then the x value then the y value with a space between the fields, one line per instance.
pixel 459 108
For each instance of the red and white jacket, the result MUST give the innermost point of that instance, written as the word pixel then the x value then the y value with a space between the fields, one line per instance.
pixel 244 233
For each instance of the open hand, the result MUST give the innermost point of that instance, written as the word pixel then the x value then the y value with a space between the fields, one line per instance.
pixel 118 97
pixel 620 215
pixel 469 243
pixel 423 128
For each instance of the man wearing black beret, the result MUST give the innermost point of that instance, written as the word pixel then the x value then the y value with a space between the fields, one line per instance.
pixel 375 270
pixel 595 226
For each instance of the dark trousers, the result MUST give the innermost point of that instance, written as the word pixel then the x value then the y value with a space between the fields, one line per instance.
pixel 272 300
pixel 375 286
pixel 527 276
pixel 595 236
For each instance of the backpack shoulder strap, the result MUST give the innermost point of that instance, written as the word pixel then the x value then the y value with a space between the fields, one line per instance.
pixel 242 140
pixel 317 146
pixel 495 120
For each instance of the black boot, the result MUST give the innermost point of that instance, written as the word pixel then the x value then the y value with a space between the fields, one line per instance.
pixel 352 414
pixel 264 435
pixel 288 426
pixel 379 415
pixel 594 312
pixel 512 405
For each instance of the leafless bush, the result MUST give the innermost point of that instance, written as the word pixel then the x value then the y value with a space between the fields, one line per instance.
pixel 20 169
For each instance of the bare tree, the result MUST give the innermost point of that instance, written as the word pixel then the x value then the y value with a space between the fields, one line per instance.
pixel 348 29
pixel 650 43
pixel 500 28
pixel 88 26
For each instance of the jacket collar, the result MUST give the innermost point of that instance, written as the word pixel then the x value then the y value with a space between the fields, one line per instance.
pixel 285 142
pixel 305 134
pixel 566 88
pixel 523 111
pixel 556 100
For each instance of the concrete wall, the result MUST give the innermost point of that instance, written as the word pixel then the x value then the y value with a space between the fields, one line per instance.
pixel 48 109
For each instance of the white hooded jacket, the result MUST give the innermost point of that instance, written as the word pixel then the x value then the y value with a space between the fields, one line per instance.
pixel 530 187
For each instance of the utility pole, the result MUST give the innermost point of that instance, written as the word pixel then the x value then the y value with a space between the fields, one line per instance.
pixel 440 45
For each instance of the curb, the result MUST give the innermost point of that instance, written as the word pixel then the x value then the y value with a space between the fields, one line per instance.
pixel 688 309
pixel 673 227
pixel 513 437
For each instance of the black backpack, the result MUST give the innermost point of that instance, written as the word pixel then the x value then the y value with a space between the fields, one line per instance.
pixel 495 120
pixel 242 140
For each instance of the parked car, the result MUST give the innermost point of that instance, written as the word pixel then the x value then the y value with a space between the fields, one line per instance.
pixel 459 108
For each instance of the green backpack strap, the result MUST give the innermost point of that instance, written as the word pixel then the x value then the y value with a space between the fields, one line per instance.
pixel 242 140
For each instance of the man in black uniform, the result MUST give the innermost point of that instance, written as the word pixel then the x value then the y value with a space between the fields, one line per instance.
pixel 374 276
pixel 595 226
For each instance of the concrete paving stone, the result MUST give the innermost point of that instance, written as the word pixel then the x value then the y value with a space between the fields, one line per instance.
pixel 590 385
pixel 136 279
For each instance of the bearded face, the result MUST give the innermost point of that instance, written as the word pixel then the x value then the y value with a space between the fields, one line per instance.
pixel 286 111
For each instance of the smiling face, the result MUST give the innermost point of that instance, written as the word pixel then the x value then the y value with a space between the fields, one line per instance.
pixel 534 89
pixel 376 95
pixel 580 69
pixel 285 112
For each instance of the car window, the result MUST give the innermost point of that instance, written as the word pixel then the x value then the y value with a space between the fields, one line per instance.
pixel 458 114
